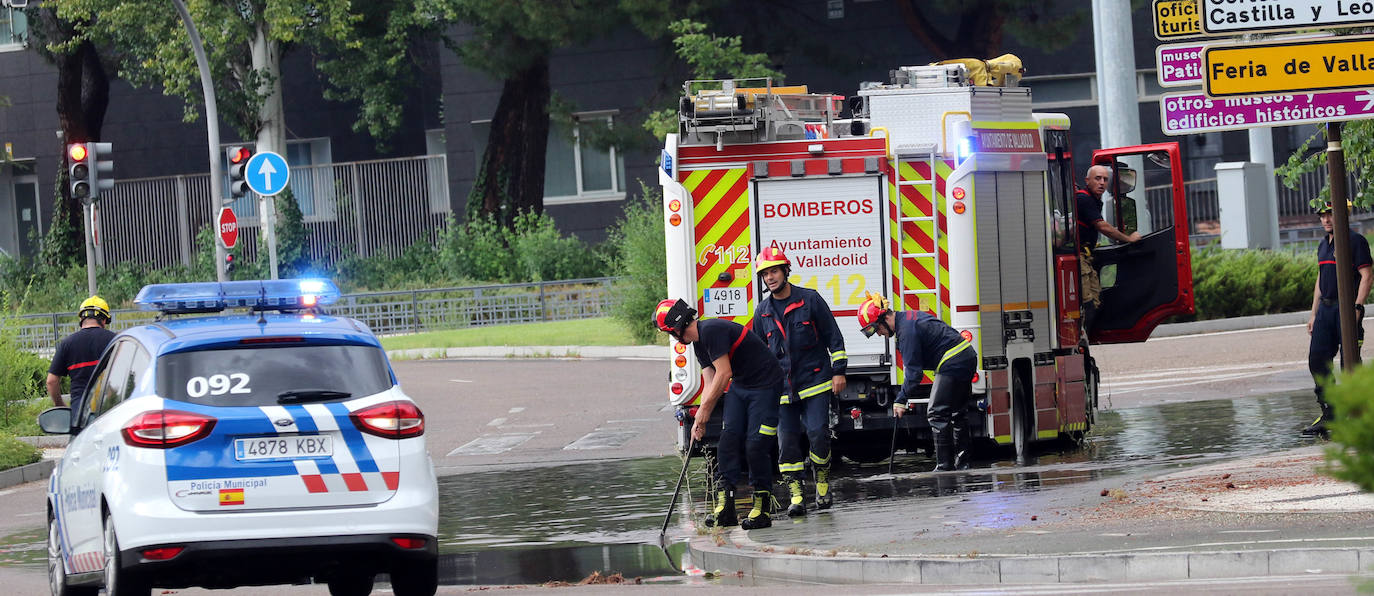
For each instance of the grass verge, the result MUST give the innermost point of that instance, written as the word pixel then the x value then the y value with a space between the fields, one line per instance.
pixel 584 332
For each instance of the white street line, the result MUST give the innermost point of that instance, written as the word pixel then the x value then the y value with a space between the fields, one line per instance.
pixel 1110 391
pixel 1188 371
pixel 516 410
pixel 1225 332
pixel 459 381
pixel 497 422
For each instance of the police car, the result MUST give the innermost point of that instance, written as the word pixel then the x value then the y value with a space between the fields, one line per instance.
pixel 271 446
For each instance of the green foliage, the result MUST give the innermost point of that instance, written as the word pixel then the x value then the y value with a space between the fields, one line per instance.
pixel 419 266
pixel 293 240
pixel 1357 141
pixel 640 260
pixel 1234 283
pixel 531 250
pixel 63 244
pixel 15 453
pixel 22 376
pixel 710 57
pixel 1352 397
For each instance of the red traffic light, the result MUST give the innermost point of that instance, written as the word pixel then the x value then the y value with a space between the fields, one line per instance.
pixel 77 151
pixel 238 155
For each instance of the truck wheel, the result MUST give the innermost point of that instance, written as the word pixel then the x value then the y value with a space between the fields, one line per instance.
pixel 1022 419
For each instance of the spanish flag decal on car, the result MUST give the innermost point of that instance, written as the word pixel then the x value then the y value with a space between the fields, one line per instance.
pixel 230 496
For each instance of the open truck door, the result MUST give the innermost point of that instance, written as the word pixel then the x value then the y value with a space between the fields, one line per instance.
pixel 1146 281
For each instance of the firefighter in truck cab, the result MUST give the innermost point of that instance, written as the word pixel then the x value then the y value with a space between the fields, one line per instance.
pixel 733 358
pixel 797 325
pixel 926 343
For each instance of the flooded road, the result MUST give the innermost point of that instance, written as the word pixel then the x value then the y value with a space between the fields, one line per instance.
pixel 562 523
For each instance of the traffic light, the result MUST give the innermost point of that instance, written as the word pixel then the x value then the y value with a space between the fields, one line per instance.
pixel 229 263
pixel 79 171
pixel 238 164
pixel 102 168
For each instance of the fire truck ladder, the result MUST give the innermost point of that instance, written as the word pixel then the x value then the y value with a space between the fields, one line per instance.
pixel 923 153
pixel 926 154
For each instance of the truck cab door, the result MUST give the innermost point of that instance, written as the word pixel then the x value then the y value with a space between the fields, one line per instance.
pixel 1147 281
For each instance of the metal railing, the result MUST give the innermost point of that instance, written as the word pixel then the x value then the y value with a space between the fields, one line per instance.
pixel 359 208
pixel 388 313
pixel 1204 210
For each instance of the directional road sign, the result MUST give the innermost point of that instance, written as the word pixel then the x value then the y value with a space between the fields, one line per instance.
pixel 1229 17
pixel 228 227
pixel 1176 19
pixel 1179 64
pixel 267 173
pixel 1193 112
pixel 1293 67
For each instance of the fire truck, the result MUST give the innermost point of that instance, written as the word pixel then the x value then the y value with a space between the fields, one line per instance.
pixel 945 193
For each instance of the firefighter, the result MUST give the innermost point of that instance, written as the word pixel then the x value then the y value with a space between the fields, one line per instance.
pixel 1088 205
pixel 79 352
pixel 734 359
pixel 1325 323
pixel 797 325
pixel 927 343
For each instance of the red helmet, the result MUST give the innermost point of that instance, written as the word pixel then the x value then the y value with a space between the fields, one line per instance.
pixel 770 256
pixel 871 312
pixel 673 316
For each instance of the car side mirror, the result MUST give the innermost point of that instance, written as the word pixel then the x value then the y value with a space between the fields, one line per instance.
pixel 56 421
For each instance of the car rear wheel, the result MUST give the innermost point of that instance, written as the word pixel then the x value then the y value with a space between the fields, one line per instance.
pixel 119 582
pixel 416 578
pixel 351 584
pixel 57 571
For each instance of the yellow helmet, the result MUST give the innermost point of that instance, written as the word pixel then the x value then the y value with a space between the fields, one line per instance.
pixel 94 307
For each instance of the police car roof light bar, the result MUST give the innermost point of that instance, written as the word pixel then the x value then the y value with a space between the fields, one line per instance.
pixel 207 297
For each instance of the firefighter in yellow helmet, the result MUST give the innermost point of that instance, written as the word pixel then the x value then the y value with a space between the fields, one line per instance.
pixel 79 352
pixel 799 329
pixel 926 343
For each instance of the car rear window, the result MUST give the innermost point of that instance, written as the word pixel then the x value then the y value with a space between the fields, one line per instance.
pixel 256 376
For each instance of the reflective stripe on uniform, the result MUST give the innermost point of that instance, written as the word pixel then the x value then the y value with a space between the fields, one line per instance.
pixel 818 460
pixel 771 431
pixel 954 351
pixel 785 399
pixel 816 389
pixel 792 467
pixel 837 356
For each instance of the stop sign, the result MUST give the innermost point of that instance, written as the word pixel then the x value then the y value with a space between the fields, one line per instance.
pixel 228 226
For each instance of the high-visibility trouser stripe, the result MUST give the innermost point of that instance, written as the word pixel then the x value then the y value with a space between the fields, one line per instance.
pixel 816 390
pixel 838 356
pixel 771 431
pixel 954 351
pixel 785 399
pixel 818 460
pixel 791 467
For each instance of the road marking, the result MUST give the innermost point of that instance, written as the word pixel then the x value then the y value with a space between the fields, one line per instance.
pixel 492 444
pixel 7 492
pixel 1218 379
pixel 1188 371
pixel 1225 332
pixel 634 420
pixel 527 425
pixel 497 422
pixel 516 410
pixel 603 439
pixel 640 358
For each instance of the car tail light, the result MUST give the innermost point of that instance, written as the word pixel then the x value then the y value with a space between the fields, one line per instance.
pixel 391 420
pixel 162 554
pixel 164 429
pixel 409 543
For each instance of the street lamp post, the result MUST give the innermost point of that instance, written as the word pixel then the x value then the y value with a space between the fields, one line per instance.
pixel 212 129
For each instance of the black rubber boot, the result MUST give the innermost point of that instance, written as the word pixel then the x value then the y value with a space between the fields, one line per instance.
pixel 1318 426
pixel 944 455
pixel 823 498
pixel 962 456
pixel 724 514
pixel 797 506
pixel 758 516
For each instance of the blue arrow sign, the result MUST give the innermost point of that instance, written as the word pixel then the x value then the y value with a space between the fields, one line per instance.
pixel 267 173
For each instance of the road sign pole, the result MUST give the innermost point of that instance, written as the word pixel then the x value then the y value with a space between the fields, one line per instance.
pixel 1340 238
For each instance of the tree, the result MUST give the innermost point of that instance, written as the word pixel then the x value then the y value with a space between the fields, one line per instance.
pixel 1357 143
pixel 979 25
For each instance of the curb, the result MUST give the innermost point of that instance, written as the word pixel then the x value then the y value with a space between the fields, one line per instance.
pixel 47 441
pixel 1232 324
pixel 29 473
pixel 578 352
pixel 1125 567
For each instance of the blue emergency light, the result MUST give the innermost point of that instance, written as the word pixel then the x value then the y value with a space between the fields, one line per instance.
pixel 205 297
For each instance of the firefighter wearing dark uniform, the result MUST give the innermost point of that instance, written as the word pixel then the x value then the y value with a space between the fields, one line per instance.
pixel 732 357
pixel 927 343
pixel 1325 323
pixel 1091 225
pixel 78 353
pixel 797 325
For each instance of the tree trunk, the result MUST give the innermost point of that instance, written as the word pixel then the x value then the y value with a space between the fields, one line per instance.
pixel 511 179
pixel 83 94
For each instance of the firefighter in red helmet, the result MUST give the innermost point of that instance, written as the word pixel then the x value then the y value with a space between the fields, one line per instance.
pixel 798 327
pixel 733 358
pixel 927 343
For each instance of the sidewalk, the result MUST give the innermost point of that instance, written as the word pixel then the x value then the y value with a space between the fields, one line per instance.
pixel 1271 515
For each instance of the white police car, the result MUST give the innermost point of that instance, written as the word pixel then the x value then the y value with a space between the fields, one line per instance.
pixel 242 449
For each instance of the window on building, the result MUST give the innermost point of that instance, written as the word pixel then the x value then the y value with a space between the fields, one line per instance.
pixel 14 28
pixel 574 170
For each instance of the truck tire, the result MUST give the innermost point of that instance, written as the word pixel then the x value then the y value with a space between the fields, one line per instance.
pixel 1022 418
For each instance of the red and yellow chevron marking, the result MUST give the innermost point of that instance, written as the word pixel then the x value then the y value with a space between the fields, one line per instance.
pixel 720 201
pixel 920 237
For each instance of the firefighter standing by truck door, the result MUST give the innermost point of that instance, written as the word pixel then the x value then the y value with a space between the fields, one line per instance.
pixel 732 357
pixel 927 343
pixel 797 325
pixel 1088 205
pixel 1325 323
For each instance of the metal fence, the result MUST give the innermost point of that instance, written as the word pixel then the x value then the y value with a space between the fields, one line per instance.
pixel 390 313
pixel 1204 210
pixel 359 208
